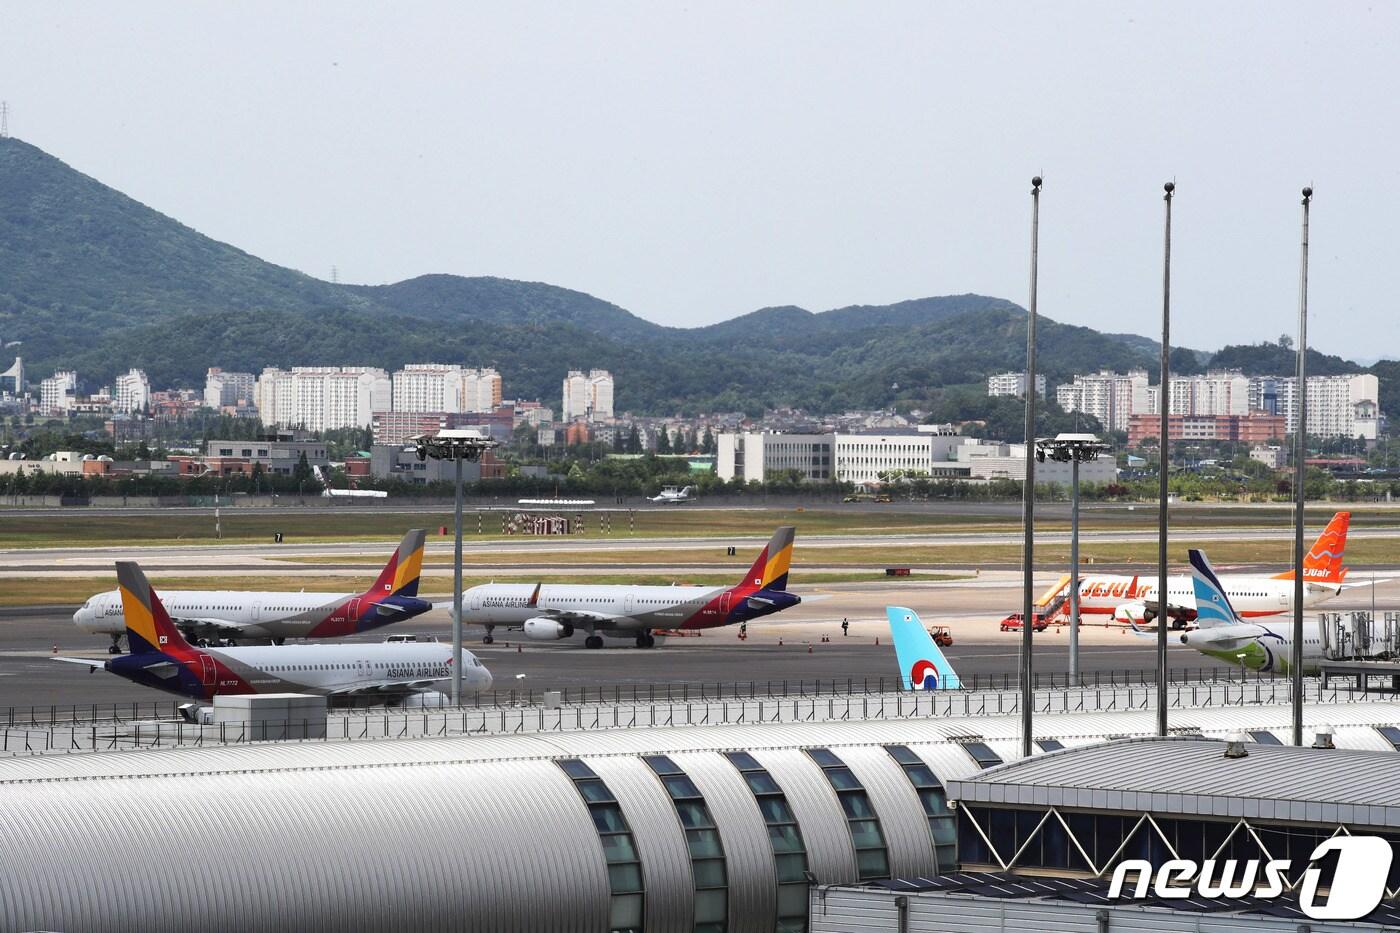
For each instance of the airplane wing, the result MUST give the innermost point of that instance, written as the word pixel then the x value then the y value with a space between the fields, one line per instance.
pixel 579 615
pixel 93 664
pixel 385 686
pixel 218 628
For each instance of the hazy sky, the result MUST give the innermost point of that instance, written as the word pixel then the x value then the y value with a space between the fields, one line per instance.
pixel 694 162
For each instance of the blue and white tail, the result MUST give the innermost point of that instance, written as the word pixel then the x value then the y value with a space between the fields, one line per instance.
pixel 922 665
pixel 1213 607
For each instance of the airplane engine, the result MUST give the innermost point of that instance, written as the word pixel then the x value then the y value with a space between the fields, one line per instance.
pixel 1132 612
pixel 428 699
pixel 546 629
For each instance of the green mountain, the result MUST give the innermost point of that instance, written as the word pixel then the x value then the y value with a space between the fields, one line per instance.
pixel 93 280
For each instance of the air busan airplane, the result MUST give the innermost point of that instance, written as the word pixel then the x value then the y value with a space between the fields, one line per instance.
pixel 1134 599
pixel 161 658
pixel 922 665
pixel 202 615
pixel 1258 646
pixel 552 612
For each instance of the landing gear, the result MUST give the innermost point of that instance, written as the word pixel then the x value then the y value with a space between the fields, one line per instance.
pixel 488 638
pixel 593 641
pixel 116 646
pixel 279 642
pixel 646 640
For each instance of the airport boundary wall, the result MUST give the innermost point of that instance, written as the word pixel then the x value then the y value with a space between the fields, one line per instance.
pixel 378 725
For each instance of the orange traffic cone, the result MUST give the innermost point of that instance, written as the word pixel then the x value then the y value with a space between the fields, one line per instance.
pixel 809 647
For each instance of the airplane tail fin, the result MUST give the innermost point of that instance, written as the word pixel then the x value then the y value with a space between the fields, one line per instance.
pixel 1212 605
pixel 148 627
pixel 400 575
pixel 1323 562
pixel 770 571
pixel 922 665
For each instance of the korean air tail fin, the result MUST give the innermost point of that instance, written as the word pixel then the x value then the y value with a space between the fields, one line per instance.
pixel 1323 562
pixel 1213 607
pixel 400 575
pixel 148 626
pixel 922 665
pixel 770 571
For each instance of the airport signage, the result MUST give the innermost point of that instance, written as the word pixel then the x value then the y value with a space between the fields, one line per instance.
pixel 1354 886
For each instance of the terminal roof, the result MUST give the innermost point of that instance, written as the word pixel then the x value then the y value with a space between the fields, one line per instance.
pixel 1194 779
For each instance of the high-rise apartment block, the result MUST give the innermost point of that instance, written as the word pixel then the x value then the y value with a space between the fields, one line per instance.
pixel 56 393
pixel 1013 384
pixel 439 387
pixel 1110 397
pixel 132 392
pixel 588 396
pixel 322 398
pixel 222 388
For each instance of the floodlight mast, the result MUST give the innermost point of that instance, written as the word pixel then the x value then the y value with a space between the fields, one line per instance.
pixel 1073 449
pixel 458 446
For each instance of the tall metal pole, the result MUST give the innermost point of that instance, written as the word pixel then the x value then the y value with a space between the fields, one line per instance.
pixel 1028 488
pixel 1300 456
pixel 457 596
pixel 1074 570
pixel 1164 458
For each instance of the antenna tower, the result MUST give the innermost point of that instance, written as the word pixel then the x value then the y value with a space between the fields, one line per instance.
pixel 4 119
pixel 335 274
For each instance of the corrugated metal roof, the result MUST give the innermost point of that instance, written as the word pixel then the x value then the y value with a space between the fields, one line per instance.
pixel 1190 776
pixel 1351 722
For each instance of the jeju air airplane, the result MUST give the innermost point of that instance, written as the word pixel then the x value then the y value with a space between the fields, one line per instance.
pixel 160 657
pixel 922 664
pixel 550 612
pixel 1134 599
pixel 228 615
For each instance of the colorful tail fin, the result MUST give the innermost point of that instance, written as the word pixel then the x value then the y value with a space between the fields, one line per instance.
pixel 148 627
pixel 1323 563
pixel 400 575
pixel 922 665
pixel 770 571
pixel 1213 607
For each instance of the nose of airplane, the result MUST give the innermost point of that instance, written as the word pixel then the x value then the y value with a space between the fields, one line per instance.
pixel 80 618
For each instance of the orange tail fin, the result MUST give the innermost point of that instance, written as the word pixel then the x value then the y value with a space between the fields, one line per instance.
pixel 1323 562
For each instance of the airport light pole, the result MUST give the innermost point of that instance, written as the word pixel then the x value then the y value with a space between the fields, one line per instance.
pixel 1028 488
pixel 458 446
pixel 1300 458
pixel 1164 448
pixel 1073 449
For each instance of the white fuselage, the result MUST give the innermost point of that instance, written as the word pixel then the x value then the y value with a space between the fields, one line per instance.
pixel 627 608
pixel 326 669
pixel 102 613
pixel 1252 596
pixel 1265 646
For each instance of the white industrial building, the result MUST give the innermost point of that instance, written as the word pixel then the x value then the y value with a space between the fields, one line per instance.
pixel 1338 406
pixel 322 398
pixel 226 388
pixel 1110 397
pixel 1008 461
pixel 588 395
pixel 57 392
pixel 12 379
pixel 1013 384
pixel 869 458
pixel 666 830
pixel 440 387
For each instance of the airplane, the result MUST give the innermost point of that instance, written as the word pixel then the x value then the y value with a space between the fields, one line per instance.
pixel 672 495
pixel 331 493
pixel 1222 633
pixel 160 657
pixel 922 664
pixel 202 615
pixel 1134 599
pixel 551 612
